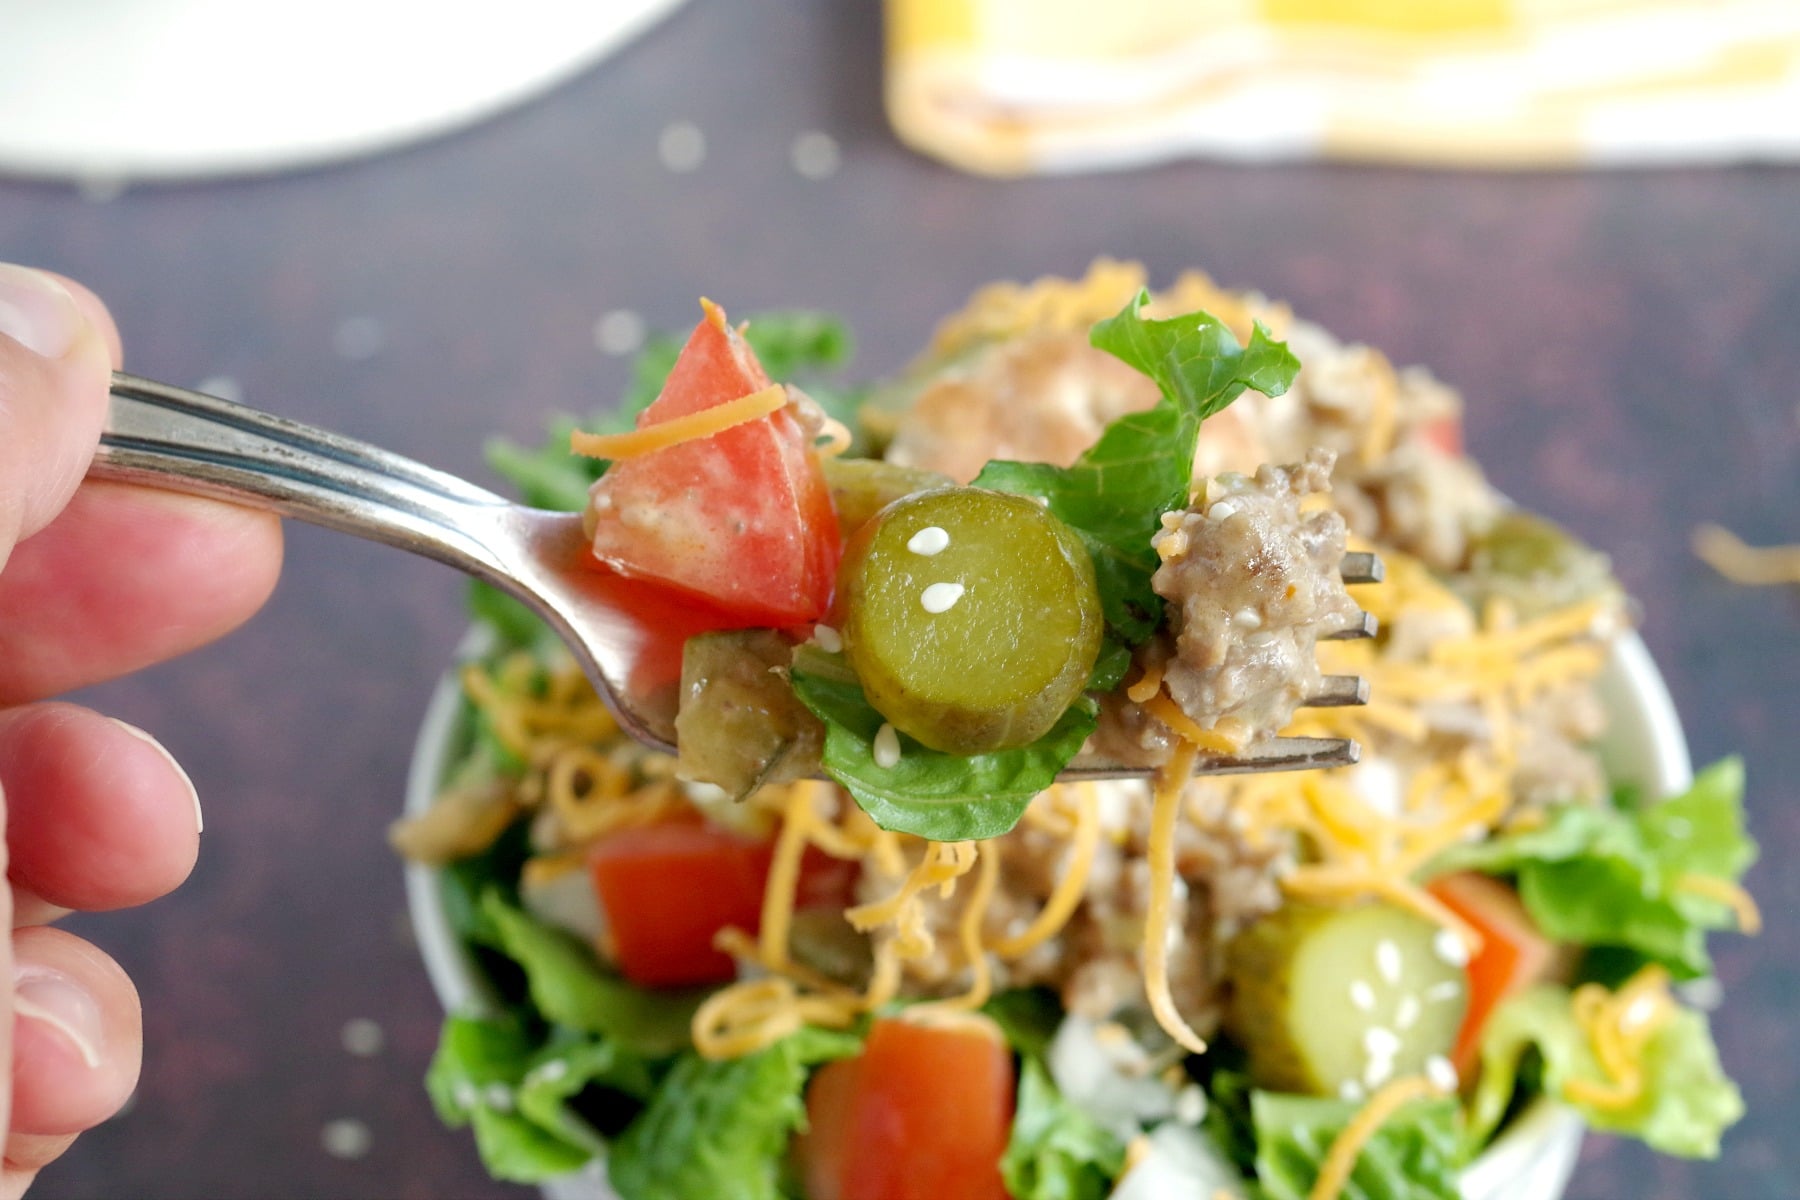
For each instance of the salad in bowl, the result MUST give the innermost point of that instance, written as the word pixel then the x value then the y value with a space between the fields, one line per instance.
pixel 857 940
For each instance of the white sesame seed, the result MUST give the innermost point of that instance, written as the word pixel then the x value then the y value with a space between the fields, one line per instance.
pixel 1450 948
pixel 1362 995
pixel 1387 960
pixel 498 1097
pixel 829 639
pixel 1444 989
pixel 1221 510
pixel 681 146
pixel 1381 1043
pixel 815 155
pixel 1679 828
pixel 358 339
pixel 466 1095
pixel 1442 1073
pixel 1351 1090
pixel 941 597
pixel 362 1037
pixel 887 746
pixel 618 332
pixel 346 1137
pixel 929 541
pixel 1247 618
pixel 223 386
pixel 1408 1013
pixel 1378 1072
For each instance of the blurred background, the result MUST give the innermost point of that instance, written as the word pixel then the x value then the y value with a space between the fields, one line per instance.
pixel 1618 307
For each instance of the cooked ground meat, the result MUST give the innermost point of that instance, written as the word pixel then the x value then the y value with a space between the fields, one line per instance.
pixel 1251 584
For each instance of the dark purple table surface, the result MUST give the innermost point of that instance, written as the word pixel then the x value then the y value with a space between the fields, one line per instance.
pixel 1627 342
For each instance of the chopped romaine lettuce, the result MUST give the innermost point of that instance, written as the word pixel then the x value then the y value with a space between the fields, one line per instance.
pixel 722 1128
pixel 569 987
pixel 1685 1102
pixel 1610 876
pixel 492 1074
pixel 1057 1152
pixel 1416 1154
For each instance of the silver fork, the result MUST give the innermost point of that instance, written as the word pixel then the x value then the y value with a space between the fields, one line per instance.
pixel 626 637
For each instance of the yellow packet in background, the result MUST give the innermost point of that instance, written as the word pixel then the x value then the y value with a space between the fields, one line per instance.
pixel 1016 87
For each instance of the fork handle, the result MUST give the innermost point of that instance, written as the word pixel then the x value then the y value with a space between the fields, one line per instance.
pixel 173 438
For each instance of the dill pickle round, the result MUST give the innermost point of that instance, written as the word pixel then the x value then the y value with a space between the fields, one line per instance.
pixel 970 617
pixel 1335 1000
pixel 861 487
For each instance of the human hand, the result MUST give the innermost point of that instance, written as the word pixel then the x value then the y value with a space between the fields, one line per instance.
pixel 96 580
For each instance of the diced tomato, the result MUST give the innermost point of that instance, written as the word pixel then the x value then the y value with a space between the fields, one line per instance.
pixel 924 1113
pixel 741 518
pixel 1443 434
pixel 823 1149
pixel 1513 955
pixel 668 889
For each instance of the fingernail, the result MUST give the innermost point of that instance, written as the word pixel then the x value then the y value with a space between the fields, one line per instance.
pixel 52 998
pixel 193 795
pixel 37 312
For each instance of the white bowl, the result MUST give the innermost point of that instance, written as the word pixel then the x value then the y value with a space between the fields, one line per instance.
pixel 1531 1160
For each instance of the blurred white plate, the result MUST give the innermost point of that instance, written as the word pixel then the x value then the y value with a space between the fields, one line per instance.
pixel 110 91
pixel 1531 1160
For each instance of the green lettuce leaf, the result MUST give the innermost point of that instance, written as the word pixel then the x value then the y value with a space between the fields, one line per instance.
pixel 722 1128
pixel 1608 876
pixel 1116 492
pixel 1056 1152
pixel 1415 1155
pixel 944 797
pixel 569 986
pixel 1028 1017
pixel 1687 1101
pixel 490 1073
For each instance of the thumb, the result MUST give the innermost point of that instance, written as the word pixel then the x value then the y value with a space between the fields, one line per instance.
pixel 54 375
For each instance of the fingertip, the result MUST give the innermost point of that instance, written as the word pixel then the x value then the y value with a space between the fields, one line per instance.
pixel 100 816
pixel 55 372
pixel 77 1034
pixel 99 317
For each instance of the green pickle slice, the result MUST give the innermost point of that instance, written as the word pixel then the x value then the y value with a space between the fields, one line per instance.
pixel 861 487
pixel 1336 1001
pixel 970 617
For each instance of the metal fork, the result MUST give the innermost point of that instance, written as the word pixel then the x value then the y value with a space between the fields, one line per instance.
pixel 626 636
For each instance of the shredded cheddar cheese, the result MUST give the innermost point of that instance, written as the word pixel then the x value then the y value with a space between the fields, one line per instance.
pixel 1071 884
pixel 661 435
pixel 1159 924
pixel 1750 566
pixel 1739 901
pixel 1619 1026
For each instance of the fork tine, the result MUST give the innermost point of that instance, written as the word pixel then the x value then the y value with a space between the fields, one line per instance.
pixel 1360 566
pixel 1365 626
pixel 1339 691
pixel 1276 754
